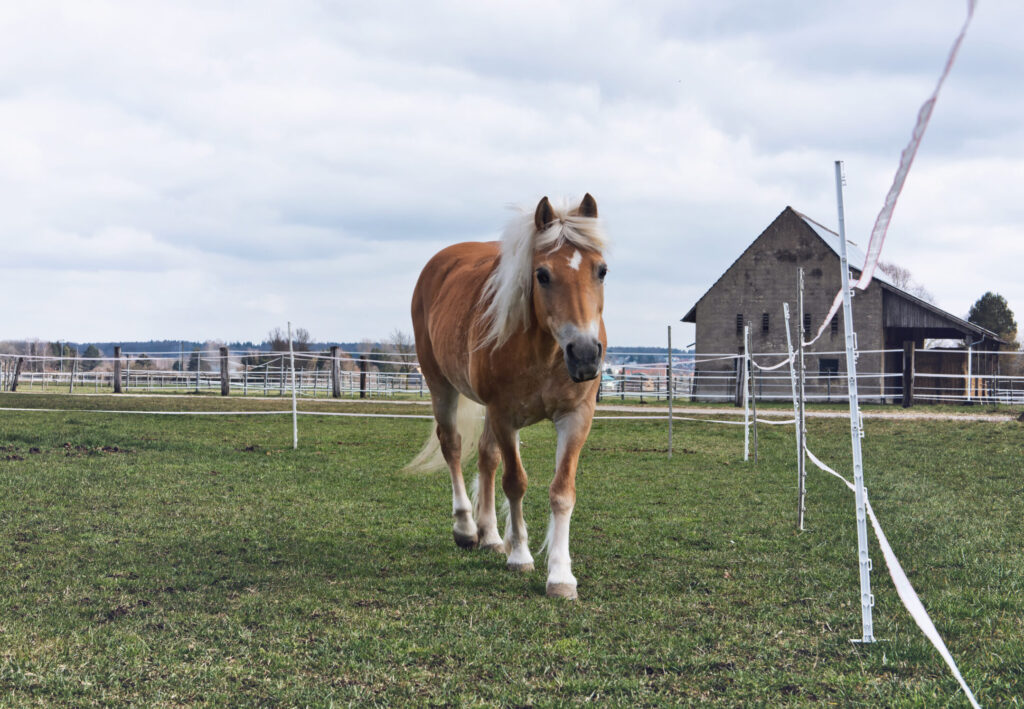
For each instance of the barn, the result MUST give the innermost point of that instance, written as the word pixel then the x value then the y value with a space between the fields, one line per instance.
pixel 891 324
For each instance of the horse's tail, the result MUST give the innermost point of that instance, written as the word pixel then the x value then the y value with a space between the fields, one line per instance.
pixel 469 422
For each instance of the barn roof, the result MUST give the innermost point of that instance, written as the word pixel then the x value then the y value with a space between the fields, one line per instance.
pixel 928 313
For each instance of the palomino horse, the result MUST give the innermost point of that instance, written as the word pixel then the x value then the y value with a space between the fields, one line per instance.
pixel 514 326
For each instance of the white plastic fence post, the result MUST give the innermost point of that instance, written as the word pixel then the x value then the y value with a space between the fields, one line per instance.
pixel 802 391
pixel 970 384
pixel 670 387
pixel 295 412
pixel 752 384
pixel 856 428
pixel 798 424
pixel 746 392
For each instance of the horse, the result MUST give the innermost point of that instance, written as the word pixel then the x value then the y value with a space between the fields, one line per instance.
pixel 508 334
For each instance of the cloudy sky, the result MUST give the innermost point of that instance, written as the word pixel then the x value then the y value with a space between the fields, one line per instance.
pixel 203 171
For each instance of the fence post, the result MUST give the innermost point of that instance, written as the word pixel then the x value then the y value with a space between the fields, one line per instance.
pixel 908 374
pixel 335 373
pixel 225 375
pixel 752 376
pixel 117 370
pixel 295 410
pixel 668 376
pixel 740 398
pixel 362 376
pixel 746 393
pixel 17 373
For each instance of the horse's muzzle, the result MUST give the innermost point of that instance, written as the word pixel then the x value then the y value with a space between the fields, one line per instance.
pixel 583 358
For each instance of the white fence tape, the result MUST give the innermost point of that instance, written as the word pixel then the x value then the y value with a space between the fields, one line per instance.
pixel 774 422
pixel 665 418
pixel 153 413
pixel 225 413
pixel 357 414
pixel 906 592
pixel 774 366
pixel 881 226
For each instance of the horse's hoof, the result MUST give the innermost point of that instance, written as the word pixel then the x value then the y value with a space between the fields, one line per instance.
pixel 465 541
pixel 523 568
pixel 562 590
pixel 497 548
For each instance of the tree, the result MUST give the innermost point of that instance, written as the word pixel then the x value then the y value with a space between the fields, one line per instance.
pixel 903 278
pixel 277 339
pixel 992 312
pixel 90 361
pixel 404 351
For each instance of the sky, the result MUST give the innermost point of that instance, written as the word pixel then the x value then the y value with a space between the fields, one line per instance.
pixel 210 171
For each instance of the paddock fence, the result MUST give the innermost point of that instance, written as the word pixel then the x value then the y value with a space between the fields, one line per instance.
pixel 928 376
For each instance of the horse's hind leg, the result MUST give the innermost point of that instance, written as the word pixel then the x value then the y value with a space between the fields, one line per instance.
pixel 445 409
pixel 486 517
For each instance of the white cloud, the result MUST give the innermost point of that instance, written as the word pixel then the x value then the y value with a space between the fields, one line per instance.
pixel 230 169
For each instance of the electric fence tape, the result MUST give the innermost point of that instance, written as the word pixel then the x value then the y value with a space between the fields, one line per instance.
pixel 904 590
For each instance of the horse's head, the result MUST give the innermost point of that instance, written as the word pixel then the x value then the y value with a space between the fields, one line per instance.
pixel 568 290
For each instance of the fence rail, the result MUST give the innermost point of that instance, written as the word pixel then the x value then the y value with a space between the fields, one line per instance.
pixel 984 377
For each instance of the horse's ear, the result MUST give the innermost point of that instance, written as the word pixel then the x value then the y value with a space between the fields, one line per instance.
pixel 588 207
pixel 544 215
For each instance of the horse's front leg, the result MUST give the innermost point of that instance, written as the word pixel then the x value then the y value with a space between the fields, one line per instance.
pixel 572 431
pixel 513 483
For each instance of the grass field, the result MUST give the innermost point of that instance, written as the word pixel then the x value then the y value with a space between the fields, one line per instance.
pixel 169 561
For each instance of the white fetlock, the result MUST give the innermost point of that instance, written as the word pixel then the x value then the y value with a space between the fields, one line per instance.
pixel 490 539
pixel 464 530
pixel 520 559
pixel 561 583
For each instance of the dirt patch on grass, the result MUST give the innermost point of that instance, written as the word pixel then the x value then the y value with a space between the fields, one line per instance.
pixel 122 610
pixel 77 451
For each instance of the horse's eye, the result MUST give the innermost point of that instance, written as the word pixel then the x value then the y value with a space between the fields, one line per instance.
pixel 602 271
pixel 543 276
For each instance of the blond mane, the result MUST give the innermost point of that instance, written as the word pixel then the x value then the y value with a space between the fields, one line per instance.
pixel 507 291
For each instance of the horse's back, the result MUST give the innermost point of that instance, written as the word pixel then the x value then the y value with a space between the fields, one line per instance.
pixel 445 309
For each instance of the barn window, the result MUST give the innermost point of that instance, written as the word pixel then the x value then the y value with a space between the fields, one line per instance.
pixel 764 323
pixel 828 367
pixel 739 324
pixel 807 323
pixel 835 324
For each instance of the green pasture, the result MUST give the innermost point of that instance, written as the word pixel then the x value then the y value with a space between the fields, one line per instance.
pixel 190 561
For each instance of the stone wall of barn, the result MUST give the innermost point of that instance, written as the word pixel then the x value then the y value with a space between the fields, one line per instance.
pixel 754 288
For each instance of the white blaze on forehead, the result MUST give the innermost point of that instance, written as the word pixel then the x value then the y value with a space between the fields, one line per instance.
pixel 574 262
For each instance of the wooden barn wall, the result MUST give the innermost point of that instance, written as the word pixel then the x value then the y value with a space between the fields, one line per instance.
pixel 900 312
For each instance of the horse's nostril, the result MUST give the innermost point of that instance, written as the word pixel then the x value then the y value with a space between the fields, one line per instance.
pixel 569 350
